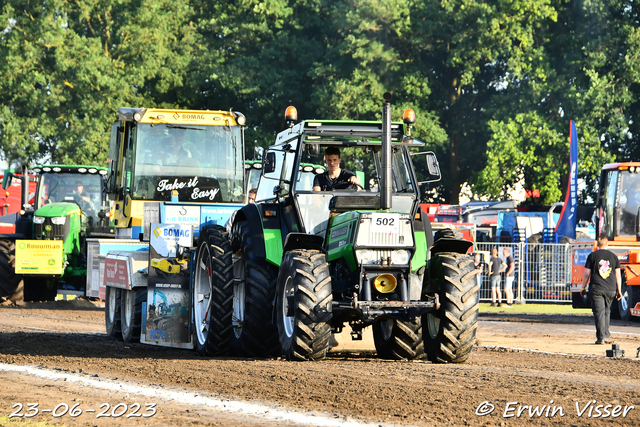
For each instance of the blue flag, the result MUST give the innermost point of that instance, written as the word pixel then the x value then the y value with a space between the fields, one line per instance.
pixel 567 222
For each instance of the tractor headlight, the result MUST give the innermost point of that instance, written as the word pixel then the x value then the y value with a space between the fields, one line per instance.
pixel 60 220
pixel 400 257
pixel 364 256
pixel 38 220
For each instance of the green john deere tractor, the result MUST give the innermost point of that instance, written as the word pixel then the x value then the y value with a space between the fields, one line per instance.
pixel 305 263
pixel 43 247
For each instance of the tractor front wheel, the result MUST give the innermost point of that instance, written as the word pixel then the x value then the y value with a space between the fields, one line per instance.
pixel 450 332
pixel 304 305
pixel 11 284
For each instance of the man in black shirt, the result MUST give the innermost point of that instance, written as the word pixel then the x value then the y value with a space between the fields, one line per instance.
pixel 334 178
pixel 603 268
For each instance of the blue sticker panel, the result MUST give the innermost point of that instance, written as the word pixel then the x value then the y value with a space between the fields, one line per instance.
pixel 207 215
pixel 219 214
pixel 580 257
pixel 105 248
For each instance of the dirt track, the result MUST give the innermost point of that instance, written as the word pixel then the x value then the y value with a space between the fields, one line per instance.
pixel 68 341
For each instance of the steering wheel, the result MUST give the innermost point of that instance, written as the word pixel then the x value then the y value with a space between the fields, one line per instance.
pixel 350 186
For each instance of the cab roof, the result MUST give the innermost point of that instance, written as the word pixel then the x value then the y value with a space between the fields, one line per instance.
pixel 347 133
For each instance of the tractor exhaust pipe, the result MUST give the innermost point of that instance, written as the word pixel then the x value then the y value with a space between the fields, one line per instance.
pixel 25 186
pixel 386 176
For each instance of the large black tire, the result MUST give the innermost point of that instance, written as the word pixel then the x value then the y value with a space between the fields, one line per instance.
pixel 620 308
pixel 112 316
pixel 213 293
pixel 11 284
pixel 131 313
pixel 254 333
pixel 305 282
pixel 399 339
pixel 450 332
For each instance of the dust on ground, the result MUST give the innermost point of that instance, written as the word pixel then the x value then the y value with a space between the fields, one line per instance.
pixel 351 384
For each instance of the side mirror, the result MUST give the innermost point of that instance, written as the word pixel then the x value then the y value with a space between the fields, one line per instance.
pixel 433 168
pixel 269 163
pixel 313 149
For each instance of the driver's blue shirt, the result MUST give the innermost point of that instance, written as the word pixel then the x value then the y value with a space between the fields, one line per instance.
pixel 327 183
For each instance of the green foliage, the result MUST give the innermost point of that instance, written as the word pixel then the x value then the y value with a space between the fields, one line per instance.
pixel 70 64
pixel 493 83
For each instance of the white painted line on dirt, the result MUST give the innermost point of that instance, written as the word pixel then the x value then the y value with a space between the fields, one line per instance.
pixel 274 413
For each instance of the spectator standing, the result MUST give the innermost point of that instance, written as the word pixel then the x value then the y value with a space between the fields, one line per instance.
pixel 496 266
pixel 478 264
pixel 510 275
pixel 603 269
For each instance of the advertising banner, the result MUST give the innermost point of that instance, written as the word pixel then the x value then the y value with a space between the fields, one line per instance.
pixel 166 321
pixel 567 223
pixel 117 272
pixel 38 257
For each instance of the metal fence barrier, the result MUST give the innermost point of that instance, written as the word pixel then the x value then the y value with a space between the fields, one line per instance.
pixel 542 271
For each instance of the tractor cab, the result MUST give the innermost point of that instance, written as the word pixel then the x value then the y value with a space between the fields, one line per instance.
pixel 619 202
pixel 292 165
pixel 174 156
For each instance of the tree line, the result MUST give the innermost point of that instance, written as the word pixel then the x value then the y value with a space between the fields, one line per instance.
pixel 493 83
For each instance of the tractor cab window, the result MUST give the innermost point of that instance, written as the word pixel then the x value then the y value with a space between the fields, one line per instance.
pixel 363 161
pixel 358 160
pixel 629 202
pixel 85 190
pixel 203 163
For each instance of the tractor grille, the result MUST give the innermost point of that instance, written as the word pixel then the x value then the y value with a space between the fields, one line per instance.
pixel 50 231
pixel 369 237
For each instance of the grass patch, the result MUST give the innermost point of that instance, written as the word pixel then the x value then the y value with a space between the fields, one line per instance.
pixel 534 308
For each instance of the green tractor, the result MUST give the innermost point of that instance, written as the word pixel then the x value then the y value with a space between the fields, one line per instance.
pixel 304 263
pixel 44 248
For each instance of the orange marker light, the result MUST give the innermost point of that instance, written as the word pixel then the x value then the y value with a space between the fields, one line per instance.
pixel 409 116
pixel 291 114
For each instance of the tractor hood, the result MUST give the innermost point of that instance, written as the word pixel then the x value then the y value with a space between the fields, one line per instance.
pixel 58 209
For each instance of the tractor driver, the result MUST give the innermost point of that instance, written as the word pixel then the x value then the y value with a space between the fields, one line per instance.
pixel 82 198
pixel 175 154
pixel 334 178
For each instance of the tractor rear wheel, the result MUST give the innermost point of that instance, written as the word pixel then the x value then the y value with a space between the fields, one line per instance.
pixel 131 313
pixel 112 316
pixel 399 339
pixel 450 332
pixel 212 292
pixel 254 333
pixel 11 284
pixel 304 305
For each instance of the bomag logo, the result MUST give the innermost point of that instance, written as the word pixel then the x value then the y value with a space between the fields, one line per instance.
pixel 157 232
pixel 192 117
